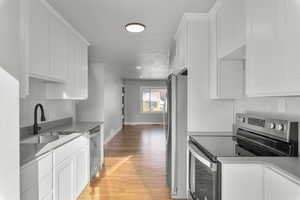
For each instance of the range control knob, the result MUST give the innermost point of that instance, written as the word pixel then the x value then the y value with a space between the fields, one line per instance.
pixel 272 125
pixel 280 127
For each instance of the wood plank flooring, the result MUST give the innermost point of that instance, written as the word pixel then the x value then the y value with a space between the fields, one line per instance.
pixel 134 167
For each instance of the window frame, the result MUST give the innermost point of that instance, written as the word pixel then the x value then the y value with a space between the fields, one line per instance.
pixel 141 99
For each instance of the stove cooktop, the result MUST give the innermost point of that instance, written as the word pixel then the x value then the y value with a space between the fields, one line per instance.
pixel 217 146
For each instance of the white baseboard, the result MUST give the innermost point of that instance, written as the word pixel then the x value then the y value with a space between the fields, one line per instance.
pixel 179 197
pixel 112 135
pixel 143 123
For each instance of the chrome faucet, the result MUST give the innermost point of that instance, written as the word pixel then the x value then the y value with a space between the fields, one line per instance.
pixel 36 127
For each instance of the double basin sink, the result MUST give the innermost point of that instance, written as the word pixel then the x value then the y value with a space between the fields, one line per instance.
pixel 48 137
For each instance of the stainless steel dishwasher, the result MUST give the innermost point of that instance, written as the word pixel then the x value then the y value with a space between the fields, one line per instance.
pixel 96 151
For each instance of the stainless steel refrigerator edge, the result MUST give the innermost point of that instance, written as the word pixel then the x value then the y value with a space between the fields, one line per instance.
pixel 176 135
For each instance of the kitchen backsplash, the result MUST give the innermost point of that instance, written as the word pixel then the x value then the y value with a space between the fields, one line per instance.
pixel 288 106
pixel 54 109
pixel 274 106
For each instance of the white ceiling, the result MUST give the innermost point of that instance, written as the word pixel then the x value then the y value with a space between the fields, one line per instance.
pixel 102 23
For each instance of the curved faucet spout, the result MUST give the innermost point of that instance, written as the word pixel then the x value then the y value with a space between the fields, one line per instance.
pixel 36 127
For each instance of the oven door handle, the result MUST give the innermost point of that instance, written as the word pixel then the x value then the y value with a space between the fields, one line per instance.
pixel 202 157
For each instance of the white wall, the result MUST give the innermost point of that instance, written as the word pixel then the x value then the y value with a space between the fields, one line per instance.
pixel 54 109
pixel 10 36
pixel 274 106
pixel 92 109
pixel 9 144
pixel 133 114
pixel 112 102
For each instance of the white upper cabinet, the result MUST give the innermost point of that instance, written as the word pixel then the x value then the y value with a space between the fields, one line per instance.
pixel 231 25
pixel 272 48
pixel 58 48
pixel 54 51
pixel 226 75
pixel 38 39
pixel 76 85
pixel 77 69
pixel 291 45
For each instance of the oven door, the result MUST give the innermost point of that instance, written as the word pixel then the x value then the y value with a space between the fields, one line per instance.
pixel 204 176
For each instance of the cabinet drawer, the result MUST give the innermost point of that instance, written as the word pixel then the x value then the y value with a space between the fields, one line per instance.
pixel 68 149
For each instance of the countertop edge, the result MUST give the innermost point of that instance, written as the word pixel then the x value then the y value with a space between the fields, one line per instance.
pixel 268 163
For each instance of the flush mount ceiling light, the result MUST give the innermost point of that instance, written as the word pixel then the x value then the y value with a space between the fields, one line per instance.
pixel 138 67
pixel 135 27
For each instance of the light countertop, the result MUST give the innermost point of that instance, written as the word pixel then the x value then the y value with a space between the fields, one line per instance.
pixel 30 152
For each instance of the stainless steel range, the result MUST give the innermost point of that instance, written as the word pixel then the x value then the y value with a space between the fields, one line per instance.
pixel 254 136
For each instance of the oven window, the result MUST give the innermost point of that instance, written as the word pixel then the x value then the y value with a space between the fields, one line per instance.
pixel 203 181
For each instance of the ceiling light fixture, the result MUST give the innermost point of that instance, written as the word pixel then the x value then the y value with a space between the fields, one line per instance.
pixel 138 67
pixel 135 27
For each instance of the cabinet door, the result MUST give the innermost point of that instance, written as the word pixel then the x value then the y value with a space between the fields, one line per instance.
pixel 83 71
pixel 58 48
pixel 38 47
pixel 292 45
pixel 64 180
pixel 278 187
pixel 237 179
pixel 213 58
pixel 265 67
pixel 82 170
pixel 231 21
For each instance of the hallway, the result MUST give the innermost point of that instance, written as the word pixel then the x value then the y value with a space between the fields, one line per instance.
pixel 134 167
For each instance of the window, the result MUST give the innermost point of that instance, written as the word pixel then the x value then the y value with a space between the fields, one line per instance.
pixel 153 99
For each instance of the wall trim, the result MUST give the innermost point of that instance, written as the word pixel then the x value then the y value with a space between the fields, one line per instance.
pixel 143 123
pixel 107 140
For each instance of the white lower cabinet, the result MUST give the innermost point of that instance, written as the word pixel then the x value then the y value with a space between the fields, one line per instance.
pixel 82 170
pixel 255 181
pixel 64 180
pixel 61 175
pixel 279 187
pixel 71 172
pixel 242 182
pixel 36 179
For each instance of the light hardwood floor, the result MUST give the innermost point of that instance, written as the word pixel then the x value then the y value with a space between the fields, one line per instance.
pixel 134 167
